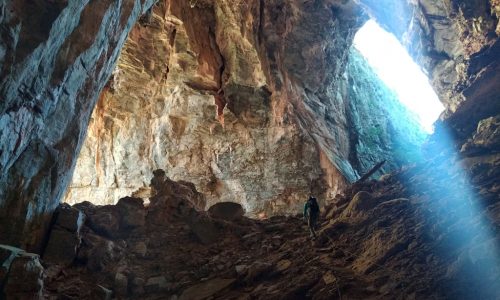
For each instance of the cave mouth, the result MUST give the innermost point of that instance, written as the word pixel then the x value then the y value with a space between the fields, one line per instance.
pixel 395 67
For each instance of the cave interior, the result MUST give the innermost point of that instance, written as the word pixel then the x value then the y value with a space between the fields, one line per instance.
pixel 164 149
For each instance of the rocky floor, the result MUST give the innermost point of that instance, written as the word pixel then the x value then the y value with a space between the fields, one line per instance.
pixel 429 231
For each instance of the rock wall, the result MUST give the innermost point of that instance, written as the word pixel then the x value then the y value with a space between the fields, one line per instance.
pixel 246 103
pixel 218 101
pixel 55 58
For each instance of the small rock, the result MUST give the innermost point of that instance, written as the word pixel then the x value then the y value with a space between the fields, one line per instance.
pixel 155 284
pixel 329 278
pixel 257 270
pixel 138 286
pixel 101 293
pixel 121 284
pixel 140 249
pixel 283 265
pixel 241 269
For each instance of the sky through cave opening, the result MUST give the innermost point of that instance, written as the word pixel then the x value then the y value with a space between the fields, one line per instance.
pixel 398 71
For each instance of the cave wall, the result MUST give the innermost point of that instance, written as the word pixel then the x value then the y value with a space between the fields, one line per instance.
pixel 55 58
pixel 211 92
pixel 248 110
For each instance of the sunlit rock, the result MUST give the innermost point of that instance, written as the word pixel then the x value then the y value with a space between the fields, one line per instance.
pixel 55 58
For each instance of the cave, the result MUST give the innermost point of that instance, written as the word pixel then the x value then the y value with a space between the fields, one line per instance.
pixel 165 149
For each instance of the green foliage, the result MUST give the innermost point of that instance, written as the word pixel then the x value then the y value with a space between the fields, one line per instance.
pixel 385 128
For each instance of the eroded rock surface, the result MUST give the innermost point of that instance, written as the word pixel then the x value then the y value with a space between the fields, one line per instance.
pixel 243 100
pixel 55 58
pixel 428 231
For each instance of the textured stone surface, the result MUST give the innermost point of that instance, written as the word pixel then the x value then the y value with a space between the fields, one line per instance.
pixel 61 247
pixel 206 289
pixel 166 109
pixel 456 43
pixel 243 98
pixel 425 232
pixel 486 139
pixel 25 277
pixel 251 111
pixel 55 58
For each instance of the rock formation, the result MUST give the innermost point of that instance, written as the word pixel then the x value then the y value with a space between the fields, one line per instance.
pixel 420 233
pixel 194 99
pixel 248 100
pixel 55 58
pixel 182 100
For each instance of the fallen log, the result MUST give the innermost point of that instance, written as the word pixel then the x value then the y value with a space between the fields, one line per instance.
pixel 370 173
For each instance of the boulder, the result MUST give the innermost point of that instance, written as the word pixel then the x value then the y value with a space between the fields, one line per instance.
pixel 486 138
pixel 204 229
pixel 132 212
pixel 226 210
pixel 105 221
pixel 7 255
pixel 155 284
pixel 101 293
pixel 283 265
pixel 360 203
pixel 62 247
pixel 257 270
pixel 69 218
pixel 121 284
pixel 64 237
pixel 24 279
pixel 99 253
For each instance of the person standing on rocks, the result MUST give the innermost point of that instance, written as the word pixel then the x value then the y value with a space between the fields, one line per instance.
pixel 311 213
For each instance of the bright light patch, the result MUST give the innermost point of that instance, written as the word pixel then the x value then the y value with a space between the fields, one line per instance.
pixel 397 69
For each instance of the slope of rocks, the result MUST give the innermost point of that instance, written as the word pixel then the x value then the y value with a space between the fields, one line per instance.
pixel 429 231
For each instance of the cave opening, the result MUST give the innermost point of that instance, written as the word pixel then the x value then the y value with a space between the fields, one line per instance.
pixel 395 67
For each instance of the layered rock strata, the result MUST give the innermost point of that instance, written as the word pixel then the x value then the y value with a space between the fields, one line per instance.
pixel 196 93
pixel 55 58
pixel 211 105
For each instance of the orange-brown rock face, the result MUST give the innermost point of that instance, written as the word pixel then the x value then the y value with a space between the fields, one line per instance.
pixel 246 99
pixel 212 93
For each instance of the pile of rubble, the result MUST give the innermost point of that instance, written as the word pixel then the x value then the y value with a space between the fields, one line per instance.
pixel 429 231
